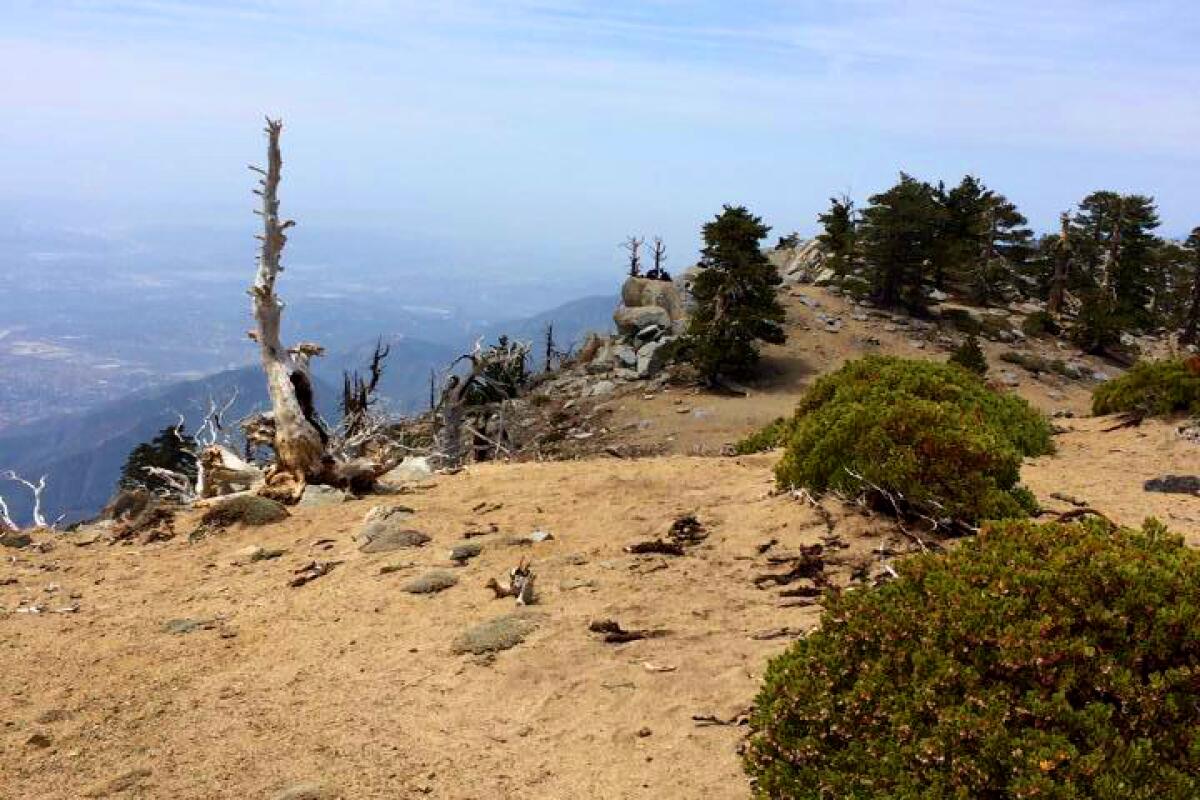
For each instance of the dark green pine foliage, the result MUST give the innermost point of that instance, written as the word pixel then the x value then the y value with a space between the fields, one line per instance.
pixel 983 241
pixel 969 355
pixel 1191 317
pixel 1116 244
pixel 167 450
pixel 839 236
pixel 899 233
pixel 735 295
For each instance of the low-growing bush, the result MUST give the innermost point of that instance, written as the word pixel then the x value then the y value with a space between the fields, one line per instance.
pixel 929 433
pixel 1152 388
pixel 961 320
pixel 768 438
pixel 1040 323
pixel 969 355
pixel 1039 364
pixel 1055 661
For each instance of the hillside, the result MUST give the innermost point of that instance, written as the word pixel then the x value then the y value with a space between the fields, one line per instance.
pixel 181 669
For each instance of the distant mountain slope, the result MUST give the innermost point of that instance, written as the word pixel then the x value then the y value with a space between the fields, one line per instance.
pixel 83 452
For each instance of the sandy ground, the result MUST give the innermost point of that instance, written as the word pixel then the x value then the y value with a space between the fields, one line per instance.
pixel 351 682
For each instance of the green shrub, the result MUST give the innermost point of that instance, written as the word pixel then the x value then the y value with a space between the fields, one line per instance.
pixel 1152 388
pixel 969 355
pixel 768 438
pixel 931 433
pixel 1054 661
pixel 1038 364
pixel 961 320
pixel 1098 326
pixel 1040 323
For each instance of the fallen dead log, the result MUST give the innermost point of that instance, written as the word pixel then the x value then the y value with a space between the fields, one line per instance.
pixel 615 634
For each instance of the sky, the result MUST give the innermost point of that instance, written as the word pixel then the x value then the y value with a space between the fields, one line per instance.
pixel 541 132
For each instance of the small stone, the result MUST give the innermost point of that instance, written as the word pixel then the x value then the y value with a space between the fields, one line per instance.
pixel 430 583
pixel 384 536
pixel 411 470
pixel 495 635
pixel 644 732
pixel 380 513
pixel 182 626
pixel 465 551
pixel 315 495
pixel 15 539
pixel 304 791
pixel 39 740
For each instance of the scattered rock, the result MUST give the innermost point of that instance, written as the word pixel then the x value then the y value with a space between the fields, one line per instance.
pixel 15 539
pixel 1174 484
pixel 631 319
pixel 540 536
pixel 322 496
pixel 465 551
pixel 247 509
pixel 651 358
pixel 381 513
pixel 383 536
pixel 430 583
pixel 601 388
pixel 501 633
pixel 413 469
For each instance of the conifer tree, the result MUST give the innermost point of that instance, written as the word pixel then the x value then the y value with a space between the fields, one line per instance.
pixel 1191 320
pixel 735 295
pixel 166 450
pixel 982 241
pixel 899 234
pixel 840 234
pixel 1116 245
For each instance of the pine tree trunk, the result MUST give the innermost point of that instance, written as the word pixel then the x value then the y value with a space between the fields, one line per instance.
pixel 1062 261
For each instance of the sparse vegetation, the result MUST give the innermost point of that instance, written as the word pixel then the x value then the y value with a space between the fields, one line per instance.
pixel 1039 324
pixel 969 355
pixel 1049 661
pixel 1039 364
pixel 930 434
pixel 1152 388
pixel 768 438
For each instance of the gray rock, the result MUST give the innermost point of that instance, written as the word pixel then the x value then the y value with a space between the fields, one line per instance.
pixel 465 551
pixel 625 355
pixel 495 635
pixel 411 470
pixel 430 583
pixel 1174 484
pixel 15 539
pixel 322 496
pixel 182 626
pixel 248 509
pixel 1009 378
pixel 631 319
pixel 385 535
pixel 651 359
pixel 601 388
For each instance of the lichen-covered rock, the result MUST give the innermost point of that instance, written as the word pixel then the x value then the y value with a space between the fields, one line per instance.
pixel 430 582
pixel 383 536
pixel 247 509
pixel 465 551
pixel 501 633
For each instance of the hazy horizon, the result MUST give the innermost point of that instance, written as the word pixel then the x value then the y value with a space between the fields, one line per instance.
pixel 537 134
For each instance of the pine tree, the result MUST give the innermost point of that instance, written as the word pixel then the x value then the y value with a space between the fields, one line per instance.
pixel 840 234
pixel 735 295
pixel 1113 234
pixel 166 450
pixel 982 242
pixel 899 233
pixel 1191 320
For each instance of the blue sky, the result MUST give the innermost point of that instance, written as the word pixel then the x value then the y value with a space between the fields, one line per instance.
pixel 555 126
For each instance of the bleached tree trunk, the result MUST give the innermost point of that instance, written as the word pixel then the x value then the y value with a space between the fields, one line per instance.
pixel 300 445
pixel 36 489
